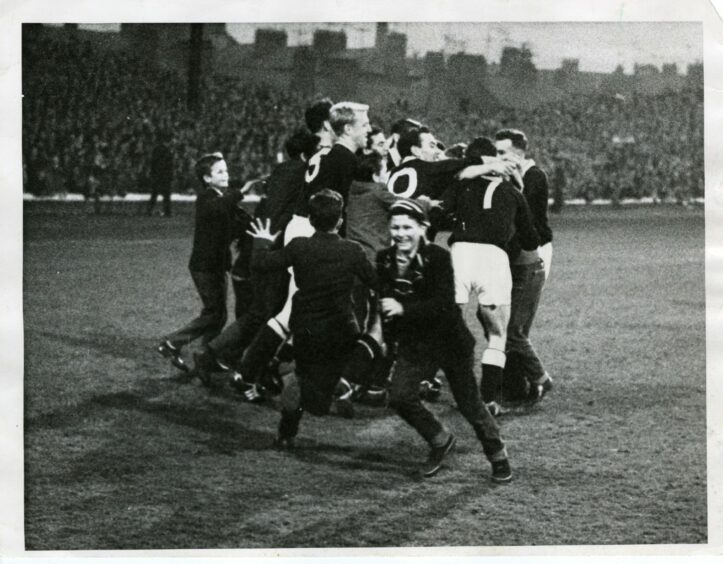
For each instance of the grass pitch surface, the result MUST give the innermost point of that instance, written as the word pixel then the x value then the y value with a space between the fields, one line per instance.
pixel 120 454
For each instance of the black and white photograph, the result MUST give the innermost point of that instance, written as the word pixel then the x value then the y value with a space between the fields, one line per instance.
pixel 339 279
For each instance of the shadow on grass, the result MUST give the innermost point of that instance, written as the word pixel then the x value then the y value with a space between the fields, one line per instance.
pixel 377 459
pixel 226 434
pixel 115 345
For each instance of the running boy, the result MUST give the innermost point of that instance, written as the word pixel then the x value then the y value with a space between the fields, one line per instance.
pixel 210 258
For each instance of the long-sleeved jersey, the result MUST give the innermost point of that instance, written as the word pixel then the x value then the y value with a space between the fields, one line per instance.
pixel 415 177
pixel 331 168
pixel 489 210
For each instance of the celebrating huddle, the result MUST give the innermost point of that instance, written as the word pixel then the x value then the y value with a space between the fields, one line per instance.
pixel 339 272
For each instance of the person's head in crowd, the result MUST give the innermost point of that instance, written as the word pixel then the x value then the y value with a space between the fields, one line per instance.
pixel 399 128
pixel 377 142
pixel 480 147
pixel 511 141
pixel 350 123
pixel 368 168
pixel 403 125
pixel 212 172
pixel 419 143
pixel 407 225
pixel 484 147
pixel 456 151
pixel 301 145
pixel 325 209
pixel 316 117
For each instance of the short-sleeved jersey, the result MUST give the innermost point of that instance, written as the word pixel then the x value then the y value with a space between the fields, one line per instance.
pixel 489 210
pixel 415 177
pixel 331 168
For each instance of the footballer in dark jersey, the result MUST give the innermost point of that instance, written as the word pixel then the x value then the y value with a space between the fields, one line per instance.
pixel 424 172
pixel 420 173
pixel 333 168
pixel 330 168
pixel 487 212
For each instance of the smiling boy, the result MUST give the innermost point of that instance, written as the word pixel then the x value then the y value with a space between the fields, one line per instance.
pixel 210 257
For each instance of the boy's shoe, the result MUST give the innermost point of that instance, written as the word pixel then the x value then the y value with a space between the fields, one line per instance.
pixel 501 472
pixel 437 456
pixel 496 409
pixel 539 389
pixel 167 350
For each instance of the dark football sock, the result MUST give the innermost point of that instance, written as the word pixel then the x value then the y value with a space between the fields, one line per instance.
pixel 289 424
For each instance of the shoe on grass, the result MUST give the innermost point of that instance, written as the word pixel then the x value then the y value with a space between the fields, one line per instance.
pixel 501 472
pixel 540 388
pixel 167 350
pixel 437 456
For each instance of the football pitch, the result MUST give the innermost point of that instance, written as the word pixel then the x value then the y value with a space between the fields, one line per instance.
pixel 121 454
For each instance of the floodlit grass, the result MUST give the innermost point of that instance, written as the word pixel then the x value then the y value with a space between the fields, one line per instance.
pixel 120 454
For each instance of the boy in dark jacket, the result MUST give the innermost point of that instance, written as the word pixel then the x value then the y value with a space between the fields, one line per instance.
pixel 210 257
pixel 322 321
pixel 425 329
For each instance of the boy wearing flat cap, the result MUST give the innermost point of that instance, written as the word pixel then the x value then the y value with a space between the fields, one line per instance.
pixel 424 327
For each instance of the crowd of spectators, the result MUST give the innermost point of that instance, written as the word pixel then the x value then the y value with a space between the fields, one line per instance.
pixel 608 146
pixel 91 118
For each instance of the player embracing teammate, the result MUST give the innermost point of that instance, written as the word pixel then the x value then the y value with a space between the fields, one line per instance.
pixel 418 327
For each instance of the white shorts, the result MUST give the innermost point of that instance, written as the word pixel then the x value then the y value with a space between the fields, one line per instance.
pixel 546 255
pixel 299 226
pixel 484 269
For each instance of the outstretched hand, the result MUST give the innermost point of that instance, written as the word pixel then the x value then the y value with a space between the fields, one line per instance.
pixel 260 229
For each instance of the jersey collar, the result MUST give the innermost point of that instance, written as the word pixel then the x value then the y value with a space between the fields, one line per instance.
pixel 527 164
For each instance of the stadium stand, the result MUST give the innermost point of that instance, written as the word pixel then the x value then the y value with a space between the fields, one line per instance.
pixel 90 118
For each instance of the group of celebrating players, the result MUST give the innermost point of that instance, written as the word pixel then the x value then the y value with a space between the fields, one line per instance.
pixel 338 271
